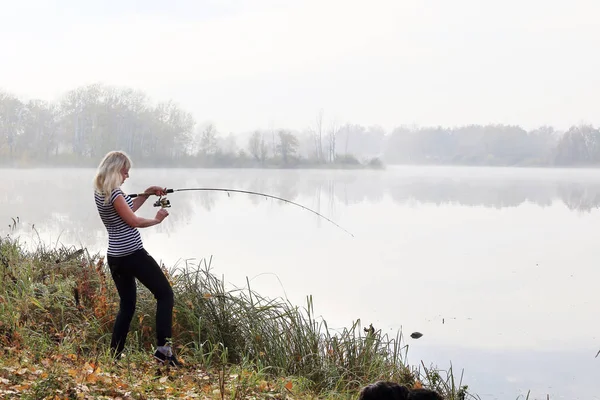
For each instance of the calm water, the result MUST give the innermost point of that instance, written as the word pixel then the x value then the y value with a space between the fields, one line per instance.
pixel 507 257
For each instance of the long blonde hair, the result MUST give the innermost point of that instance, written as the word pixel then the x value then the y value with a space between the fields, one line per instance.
pixel 108 175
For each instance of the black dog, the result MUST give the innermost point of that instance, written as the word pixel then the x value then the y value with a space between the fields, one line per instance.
pixel 385 390
pixel 424 394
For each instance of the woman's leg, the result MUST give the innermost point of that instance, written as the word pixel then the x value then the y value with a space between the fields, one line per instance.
pixel 125 283
pixel 148 272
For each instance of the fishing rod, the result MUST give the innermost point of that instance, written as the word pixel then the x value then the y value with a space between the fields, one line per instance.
pixel 163 202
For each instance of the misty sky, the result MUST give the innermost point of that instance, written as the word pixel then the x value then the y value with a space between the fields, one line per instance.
pixel 251 64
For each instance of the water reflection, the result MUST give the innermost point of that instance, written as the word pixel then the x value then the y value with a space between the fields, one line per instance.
pixel 61 199
pixel 63 191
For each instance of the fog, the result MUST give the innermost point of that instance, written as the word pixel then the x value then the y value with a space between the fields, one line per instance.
pixel 457 141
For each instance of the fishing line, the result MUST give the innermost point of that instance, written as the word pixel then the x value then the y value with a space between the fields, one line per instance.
pixel 164 202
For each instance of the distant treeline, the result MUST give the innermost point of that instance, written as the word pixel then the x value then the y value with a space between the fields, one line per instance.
pixel 500 145
pixel 86 122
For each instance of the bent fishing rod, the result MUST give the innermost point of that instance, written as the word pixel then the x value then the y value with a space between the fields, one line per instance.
pixel 163 202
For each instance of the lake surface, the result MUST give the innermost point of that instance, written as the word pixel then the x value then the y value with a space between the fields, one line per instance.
pixel 507 257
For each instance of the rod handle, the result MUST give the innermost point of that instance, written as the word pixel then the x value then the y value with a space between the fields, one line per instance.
pixel 141 194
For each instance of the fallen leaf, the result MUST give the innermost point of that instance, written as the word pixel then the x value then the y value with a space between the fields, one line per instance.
pixel 22 387
pixel 91 378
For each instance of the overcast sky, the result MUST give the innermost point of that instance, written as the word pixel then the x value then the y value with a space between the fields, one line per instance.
pixel 250 64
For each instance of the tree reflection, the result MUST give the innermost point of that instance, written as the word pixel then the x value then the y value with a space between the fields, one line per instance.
pixel 61 201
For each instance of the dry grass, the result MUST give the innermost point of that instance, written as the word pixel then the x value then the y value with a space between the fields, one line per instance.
pixel 57 308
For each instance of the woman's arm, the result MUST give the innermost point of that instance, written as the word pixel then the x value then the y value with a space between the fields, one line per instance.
pixel 133 220
pixel 138 201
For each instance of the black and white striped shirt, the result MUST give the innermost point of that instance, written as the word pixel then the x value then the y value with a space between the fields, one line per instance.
pixel 122 238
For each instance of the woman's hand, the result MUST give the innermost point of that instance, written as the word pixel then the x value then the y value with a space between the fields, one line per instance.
pixel 156 190
pixel 161 214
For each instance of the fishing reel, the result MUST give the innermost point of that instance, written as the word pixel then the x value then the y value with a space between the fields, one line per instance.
pixel 162 202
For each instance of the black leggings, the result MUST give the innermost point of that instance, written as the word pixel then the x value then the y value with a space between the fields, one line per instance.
pixel 142 266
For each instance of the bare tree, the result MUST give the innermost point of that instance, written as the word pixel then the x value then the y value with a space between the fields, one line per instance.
pixel 263 150
pixel 254 145
pixel 273 141
pixel 208 140
pixel 258 146
pixel 348 131
pixel 288 145
pixel 333 131
pixel 318 136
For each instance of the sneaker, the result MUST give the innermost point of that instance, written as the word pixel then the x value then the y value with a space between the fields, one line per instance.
pixel 171 361
pixel 116 357
pixel 174 361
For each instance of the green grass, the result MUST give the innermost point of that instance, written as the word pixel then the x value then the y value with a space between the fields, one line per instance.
pixel 63 301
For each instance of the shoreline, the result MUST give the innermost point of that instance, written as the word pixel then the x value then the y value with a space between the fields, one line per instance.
pixel 62 304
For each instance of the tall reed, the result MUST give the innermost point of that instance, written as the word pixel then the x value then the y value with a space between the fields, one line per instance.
pixel 65 296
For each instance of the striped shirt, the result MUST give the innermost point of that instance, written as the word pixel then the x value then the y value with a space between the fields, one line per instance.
pixel 122 238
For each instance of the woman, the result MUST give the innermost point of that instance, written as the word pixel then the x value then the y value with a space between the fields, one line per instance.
pixel 127 259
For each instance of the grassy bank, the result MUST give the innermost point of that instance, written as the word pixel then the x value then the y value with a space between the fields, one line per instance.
pixel 57 307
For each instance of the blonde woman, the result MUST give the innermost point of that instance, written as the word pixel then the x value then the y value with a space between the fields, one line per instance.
pixel 126 257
